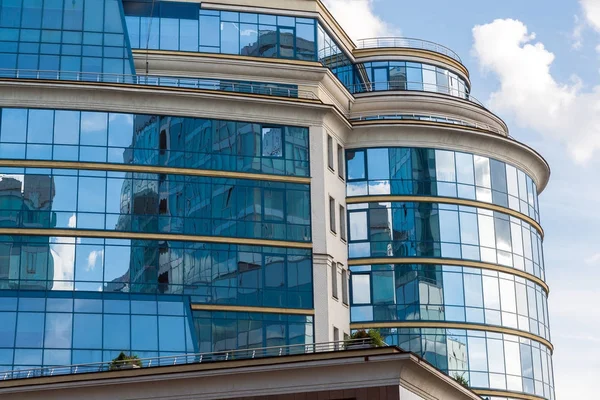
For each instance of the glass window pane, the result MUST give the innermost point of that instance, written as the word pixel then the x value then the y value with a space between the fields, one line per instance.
pixel 361 289
pixel 87 331
pixel 356 164
pixel 116 332
pixel 358 226
pixel 482 172
pixel 39 128
pixel 378 164
pixel 14 125
pixel 453 289
pixel 66 127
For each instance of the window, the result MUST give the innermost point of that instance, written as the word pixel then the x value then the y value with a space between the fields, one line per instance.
pixel 336 337
pixel 330 152
pixel 345 286
pixel 340 160
pixel 342 223
pixel 334 281
pixel 332 214
pixel 272 142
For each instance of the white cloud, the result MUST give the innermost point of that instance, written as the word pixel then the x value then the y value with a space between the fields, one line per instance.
pixel 359 20
pixel 591 11
pixel 92 258
pixel 577 33
pixel 529 92
pixel 594 259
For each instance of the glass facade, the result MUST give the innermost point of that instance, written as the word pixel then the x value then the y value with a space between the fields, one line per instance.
pixel 486 360
pixel 435 172
pixel 153 140
pixel 418 292
pixel 86 36
pixel 443 230
pixel 220 331
pixel 403 75
pixel 386 293
pixel 154 203
pixel 54 288
pixel 186 27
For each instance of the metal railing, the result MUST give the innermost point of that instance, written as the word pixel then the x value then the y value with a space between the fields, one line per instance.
pixel 401 85
pixel 431 118
pixel 409 43
pixel 268 89
pixel 198 358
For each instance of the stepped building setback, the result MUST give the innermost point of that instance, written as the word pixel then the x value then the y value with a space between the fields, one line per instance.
pixel 203 177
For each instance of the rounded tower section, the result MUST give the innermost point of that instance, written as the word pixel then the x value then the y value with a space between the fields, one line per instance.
pixel 445 240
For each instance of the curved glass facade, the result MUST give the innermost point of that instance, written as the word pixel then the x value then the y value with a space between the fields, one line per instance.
pixel 387 294
pixel 443 230
pixel 404 75
pixel 153 140
pixel 436 172
pixel 418 292
pixel 486 360
pixel 125 286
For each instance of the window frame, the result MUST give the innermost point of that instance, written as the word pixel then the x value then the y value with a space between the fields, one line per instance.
pixel 330 163
pixel 334 282
pixel 332 212
pixel 340 161
pixel 343 227
pixel 345 286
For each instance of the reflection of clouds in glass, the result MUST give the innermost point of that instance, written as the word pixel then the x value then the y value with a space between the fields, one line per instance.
pixel 92 258
pixel 63 253
pixel 91 121
pixel 379 187
pixel 127 118
pixel 248 32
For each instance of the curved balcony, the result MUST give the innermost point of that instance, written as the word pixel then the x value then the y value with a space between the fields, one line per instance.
pixel 430 118
pixel 409 43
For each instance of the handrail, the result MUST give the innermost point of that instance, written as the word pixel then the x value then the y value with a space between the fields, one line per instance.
pixel 432 118
pixel 195 358
pixel 406 42
pixel 263 88
pixel 403 85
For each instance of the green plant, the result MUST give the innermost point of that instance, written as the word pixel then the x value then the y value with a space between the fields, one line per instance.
pixel 123 361
pixel 461 379
pixel 372 337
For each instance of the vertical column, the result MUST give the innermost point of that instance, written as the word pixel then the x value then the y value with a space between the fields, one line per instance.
pixel 330 252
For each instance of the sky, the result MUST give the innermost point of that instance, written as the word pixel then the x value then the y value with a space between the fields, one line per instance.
pixel 536 64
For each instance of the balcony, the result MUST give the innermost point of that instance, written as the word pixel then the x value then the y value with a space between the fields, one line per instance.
pixel 407 43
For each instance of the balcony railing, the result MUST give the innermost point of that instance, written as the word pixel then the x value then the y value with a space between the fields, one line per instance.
pixel 266 89
pixel 199 358
pixel 401 85
pixel 409 43
pixel 432 118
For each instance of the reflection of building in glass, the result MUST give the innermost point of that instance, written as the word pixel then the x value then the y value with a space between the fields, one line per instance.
pixel 26 201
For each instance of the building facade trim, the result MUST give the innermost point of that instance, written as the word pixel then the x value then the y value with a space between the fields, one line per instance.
pixel 268 310
pixel 151 236
pixel 512 395
pixel 447 200
pixel 450 261
pixel 453 325
pixel 92 166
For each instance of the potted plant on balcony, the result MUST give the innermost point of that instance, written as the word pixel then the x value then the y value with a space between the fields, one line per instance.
pixel 124 361
pixel 361 339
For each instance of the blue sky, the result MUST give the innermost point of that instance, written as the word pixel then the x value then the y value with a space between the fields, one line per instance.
pixel 547 88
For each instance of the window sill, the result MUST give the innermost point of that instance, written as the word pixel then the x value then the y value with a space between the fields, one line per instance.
pixel 331 169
